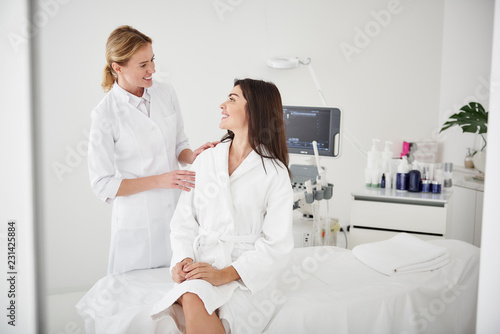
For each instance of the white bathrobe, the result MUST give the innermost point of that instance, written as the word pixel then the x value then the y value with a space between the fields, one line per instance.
pixel 243 220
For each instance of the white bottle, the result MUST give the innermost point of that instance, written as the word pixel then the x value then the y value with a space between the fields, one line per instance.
pixel 374 155
pixel 372 171
pixel 387 156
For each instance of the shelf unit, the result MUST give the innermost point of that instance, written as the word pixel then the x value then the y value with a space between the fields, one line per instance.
pixel 378 214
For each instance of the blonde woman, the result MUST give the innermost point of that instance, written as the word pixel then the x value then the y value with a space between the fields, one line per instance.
pixel 137 139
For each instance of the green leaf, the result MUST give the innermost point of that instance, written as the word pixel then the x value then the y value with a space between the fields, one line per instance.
pixel 472 119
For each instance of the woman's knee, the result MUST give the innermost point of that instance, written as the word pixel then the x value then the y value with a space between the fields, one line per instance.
pixel 189 299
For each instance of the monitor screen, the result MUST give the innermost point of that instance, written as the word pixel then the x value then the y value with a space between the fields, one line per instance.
pixel 303 125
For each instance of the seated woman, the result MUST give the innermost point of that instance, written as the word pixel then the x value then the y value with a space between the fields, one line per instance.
pixel 232 235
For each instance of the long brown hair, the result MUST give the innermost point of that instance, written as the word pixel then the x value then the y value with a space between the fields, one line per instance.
pixel 122 43
pixel 266 131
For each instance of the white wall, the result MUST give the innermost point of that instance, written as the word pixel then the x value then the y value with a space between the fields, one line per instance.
pixel 465 71
pixel 488 320
pixel 390 88
pixel 379 90
pixel 16 170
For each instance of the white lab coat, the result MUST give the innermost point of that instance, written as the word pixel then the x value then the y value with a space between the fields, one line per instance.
pixel 124 144
pixel 243 220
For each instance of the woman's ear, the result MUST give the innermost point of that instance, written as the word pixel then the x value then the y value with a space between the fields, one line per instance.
pixel 116 67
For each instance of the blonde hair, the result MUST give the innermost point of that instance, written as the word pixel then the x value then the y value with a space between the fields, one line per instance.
pixel 122 43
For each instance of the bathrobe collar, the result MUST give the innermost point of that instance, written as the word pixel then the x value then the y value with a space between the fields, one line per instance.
pixel 247 164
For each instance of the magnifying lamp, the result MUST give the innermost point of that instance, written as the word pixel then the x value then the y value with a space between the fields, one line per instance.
pixel 287 62
pixel 294 62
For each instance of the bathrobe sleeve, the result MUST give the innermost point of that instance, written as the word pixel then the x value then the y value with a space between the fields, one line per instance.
pixel 184 226
pixel 258 267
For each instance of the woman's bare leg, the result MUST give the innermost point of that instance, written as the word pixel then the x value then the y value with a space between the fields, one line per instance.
pixel 197 318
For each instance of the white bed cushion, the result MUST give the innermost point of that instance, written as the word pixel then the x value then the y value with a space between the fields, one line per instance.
pixel 345 296
pixel 324 290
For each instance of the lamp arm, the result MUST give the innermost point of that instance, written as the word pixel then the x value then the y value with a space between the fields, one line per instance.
pixel 316 83
pixel 347 134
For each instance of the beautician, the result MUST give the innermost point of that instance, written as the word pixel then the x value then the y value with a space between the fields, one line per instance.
pixel 137 139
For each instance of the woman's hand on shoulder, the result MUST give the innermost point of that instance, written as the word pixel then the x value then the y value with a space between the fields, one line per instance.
pixel 188 157
pixel 204 147
pixel 214 276
pixel 179 270
pixel 177 179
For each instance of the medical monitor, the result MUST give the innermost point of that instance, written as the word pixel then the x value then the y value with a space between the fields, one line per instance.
pixel 303 125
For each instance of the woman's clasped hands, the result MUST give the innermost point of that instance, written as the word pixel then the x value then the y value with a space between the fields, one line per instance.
pixel 187 270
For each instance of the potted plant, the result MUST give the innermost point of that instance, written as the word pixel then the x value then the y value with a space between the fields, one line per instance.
pixel 472 119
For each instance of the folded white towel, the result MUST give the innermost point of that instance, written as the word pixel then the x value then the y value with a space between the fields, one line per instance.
pixel 402 253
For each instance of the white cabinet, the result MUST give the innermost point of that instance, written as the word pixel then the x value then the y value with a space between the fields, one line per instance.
pixel 378 214
pixel 478 222
pixel 467 207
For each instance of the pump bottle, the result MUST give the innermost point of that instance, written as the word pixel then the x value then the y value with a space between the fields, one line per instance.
pixel 402 177
pixel 468 161
pixel 372 171
pixel 386 163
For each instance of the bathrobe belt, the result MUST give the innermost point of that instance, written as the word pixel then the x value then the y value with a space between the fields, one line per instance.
pixel 227 243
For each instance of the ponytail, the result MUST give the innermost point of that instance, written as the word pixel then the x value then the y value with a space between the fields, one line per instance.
pixel 108 78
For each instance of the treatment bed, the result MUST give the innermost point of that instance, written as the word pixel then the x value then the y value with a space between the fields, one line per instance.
pixel 324 290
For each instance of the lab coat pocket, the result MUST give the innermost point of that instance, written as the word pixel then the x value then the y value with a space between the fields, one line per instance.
pixel 131 211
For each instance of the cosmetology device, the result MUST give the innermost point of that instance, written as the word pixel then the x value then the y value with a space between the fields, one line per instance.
pixel 304 125
pixel 311 131
pixel 310 189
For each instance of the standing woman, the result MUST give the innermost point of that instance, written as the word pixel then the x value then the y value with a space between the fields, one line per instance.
pixel 137 139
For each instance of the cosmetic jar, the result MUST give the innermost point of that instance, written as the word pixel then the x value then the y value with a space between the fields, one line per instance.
pixel 426 186
pixel 436 187
pixel 448 174
pixel 414 181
